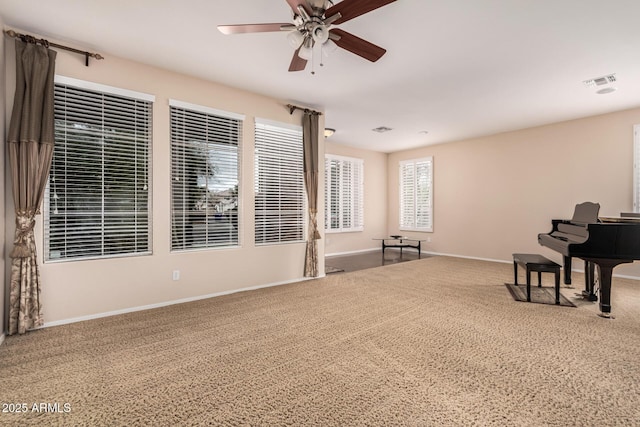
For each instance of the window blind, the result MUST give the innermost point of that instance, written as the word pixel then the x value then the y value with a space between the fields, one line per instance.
pixel 279 184
pixel 416 194
pixel 98 196
pixel 344 194
pixel 204 178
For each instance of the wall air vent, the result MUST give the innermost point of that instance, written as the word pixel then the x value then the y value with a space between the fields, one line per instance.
pixel 600 81
pixel 381 129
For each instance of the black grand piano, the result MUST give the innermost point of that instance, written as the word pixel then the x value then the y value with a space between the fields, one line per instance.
pixel 602 242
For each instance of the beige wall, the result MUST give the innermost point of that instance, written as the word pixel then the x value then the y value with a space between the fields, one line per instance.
pixel 375 202
pixel 493 195
pixel 73 290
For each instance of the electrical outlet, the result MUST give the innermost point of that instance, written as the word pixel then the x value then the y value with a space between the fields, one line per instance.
pixel 176 274
pixel 428 239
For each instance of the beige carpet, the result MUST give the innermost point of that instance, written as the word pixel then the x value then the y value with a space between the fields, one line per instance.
pixel 434 342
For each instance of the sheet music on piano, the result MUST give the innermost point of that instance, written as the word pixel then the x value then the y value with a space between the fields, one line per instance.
pixel 624 217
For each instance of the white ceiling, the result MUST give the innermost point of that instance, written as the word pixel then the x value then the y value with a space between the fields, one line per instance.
pixel 455 68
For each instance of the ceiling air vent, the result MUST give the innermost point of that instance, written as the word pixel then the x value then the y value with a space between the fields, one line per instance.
pixel 600 81
pixel 381 129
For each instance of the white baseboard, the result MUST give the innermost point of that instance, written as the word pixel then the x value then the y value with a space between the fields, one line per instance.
pixel 378 249
pixel 167 303
pixel 468 257
pixel 621 276
pixel 359 251
pixel 577 270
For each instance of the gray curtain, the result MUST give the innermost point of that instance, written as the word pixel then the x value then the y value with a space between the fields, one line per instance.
pixel 310 140
pixel 30 141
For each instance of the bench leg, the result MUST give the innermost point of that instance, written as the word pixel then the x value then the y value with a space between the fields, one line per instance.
pixel 515 273
pixel 528 285
pixel 539 279
pixel 557 274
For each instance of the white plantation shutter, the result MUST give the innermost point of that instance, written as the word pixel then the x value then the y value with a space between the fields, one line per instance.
pixel 204 177
pixel 332 194
pixel 279 183
pixel 416 194
pixel 358 196
pixel 636 168
pixel 344 194
pixel 97 201
pixel 407 195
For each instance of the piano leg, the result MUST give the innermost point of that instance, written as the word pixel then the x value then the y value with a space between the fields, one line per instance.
pixel 567 270
pixel 605 271
pixel 589 281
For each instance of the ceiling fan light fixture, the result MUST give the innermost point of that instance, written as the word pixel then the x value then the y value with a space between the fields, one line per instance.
pixel 329 47
pixel 306 51
pixel 295 38
pixel 320 34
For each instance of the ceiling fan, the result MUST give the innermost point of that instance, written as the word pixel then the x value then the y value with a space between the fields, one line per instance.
pixel 310 29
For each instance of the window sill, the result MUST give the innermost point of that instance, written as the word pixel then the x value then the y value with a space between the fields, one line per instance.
pixel 350 230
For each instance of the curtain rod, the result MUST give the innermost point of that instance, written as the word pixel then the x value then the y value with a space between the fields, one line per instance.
pixel 293 108
pixel 46 43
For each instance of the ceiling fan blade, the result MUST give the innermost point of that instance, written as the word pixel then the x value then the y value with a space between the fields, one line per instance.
pixel 356 45
pixel 350 9
pixel 254 28
pixel 297 63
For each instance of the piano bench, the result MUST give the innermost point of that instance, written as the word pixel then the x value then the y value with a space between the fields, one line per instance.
pixel 539 264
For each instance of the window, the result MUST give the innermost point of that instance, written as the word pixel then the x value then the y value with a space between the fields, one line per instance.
pixel 279 184
pixel 636 168
pixel 97 198
pixel 416 194
pixel 204 177
pixel 343 194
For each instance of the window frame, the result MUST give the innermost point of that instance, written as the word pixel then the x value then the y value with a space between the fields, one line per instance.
pixel 212 114
pixel 106 92
pixel 355 196
pixel 414 163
